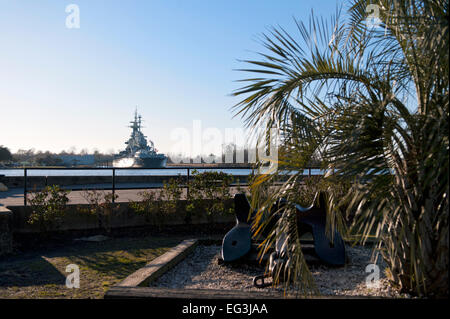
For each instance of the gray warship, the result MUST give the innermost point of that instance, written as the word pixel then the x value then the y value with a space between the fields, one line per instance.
pixel 138 152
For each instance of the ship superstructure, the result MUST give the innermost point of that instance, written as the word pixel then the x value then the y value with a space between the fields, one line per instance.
pixel 139 152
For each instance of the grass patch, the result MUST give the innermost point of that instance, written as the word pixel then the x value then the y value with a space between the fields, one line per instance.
pixel 101 264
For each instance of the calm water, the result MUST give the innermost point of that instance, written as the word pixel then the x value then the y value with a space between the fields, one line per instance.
pixel 129 172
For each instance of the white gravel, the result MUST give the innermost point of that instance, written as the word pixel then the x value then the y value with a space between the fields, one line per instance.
pixel 200 270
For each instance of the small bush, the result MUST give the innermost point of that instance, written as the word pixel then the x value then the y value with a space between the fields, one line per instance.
pixel 208 194
pixel 101 205
pixel 48 207
pixel 157 206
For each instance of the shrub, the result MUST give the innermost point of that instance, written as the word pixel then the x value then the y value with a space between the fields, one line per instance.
pixel 48 206
pixel 101 205
pixel 208 194
pixel 156 206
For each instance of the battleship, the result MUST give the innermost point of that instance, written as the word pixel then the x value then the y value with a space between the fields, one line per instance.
pixel 138 152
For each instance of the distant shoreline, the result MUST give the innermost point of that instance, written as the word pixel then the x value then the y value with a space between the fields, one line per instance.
pixel 221 165
pixel 182 165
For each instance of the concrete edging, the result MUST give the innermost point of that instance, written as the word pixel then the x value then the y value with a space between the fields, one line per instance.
pixel 159 265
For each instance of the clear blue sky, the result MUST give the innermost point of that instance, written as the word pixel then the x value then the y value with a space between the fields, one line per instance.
pixel 63 87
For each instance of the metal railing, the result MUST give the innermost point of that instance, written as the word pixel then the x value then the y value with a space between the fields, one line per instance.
pixel 113 187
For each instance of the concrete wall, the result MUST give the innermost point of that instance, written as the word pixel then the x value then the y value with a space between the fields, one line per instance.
pixel 6 217
pixel 74 219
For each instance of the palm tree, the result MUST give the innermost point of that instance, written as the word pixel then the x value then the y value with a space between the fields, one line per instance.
pixel 371 104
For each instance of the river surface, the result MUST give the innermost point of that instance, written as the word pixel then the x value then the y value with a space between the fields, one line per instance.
pixel 128 172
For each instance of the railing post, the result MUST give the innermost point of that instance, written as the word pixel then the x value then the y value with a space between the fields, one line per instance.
pixel 24 187
pixel 309 172
pixel 187 184
pixel 113 184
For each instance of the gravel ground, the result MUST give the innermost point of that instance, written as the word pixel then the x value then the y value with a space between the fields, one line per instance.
pixel 200 270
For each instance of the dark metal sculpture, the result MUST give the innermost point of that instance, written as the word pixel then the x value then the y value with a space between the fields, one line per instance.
pixel 313 219
pixel 237 243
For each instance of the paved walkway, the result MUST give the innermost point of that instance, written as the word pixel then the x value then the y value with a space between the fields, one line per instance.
pixel 14 196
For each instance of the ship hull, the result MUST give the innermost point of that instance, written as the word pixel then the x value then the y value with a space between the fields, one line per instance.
pixel 152 162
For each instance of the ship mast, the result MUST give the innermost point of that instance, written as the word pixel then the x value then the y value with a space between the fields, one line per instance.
pixel 134 123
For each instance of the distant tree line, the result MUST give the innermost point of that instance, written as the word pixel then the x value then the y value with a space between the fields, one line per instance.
pixel 47 158
pixel 231 154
